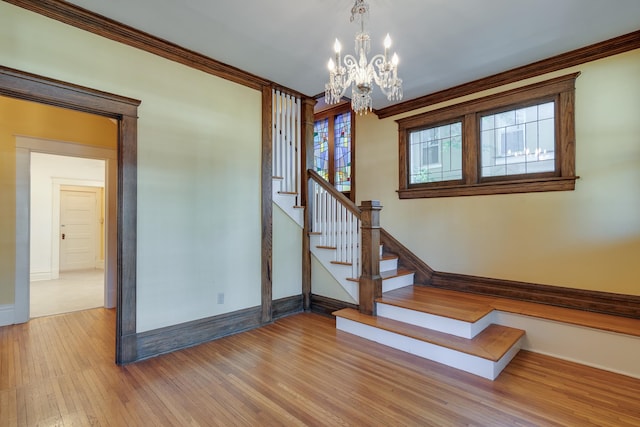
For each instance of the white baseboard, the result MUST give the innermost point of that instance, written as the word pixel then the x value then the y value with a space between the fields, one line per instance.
pixel 7 316
pixel 35 277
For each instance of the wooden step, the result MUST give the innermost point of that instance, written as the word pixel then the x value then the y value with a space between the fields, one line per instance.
pixel 424 297
pixel 491 344
pixel 389 274
pixel 425 300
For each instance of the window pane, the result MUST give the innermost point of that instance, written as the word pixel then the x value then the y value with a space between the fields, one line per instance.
pixel 435 154
pixel 321 147
pixel 342 138
pixel 518 142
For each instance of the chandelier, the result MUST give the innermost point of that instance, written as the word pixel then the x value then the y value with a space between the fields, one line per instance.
pixel 360 73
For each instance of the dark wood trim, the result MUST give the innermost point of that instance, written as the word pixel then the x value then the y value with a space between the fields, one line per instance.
pixel 580 56
pixel 266 201
pixel 579 299
pixel 127 208
pixel 326 305
pixel 307 163
pixel 407 259
pixel 287 306
pixel 31 87
pixel 488 188
pixel 26 86
pixel 370 281
pixel 97 24
pixel 188 334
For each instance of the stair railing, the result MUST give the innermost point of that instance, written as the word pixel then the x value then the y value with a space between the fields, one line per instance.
pixel 353 231
pixel 287 128
pixel 336 219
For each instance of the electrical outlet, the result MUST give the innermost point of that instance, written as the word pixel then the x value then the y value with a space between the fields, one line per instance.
pixel 221 298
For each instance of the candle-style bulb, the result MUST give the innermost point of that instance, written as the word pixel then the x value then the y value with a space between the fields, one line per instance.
pixel 387 42
pixel 337 46
pixel 331 65
pixel 395 59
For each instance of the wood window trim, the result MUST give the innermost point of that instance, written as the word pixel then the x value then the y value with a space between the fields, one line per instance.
pixel 560 89
pixel 331 113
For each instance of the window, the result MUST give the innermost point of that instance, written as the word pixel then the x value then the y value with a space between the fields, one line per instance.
pixel 333 136
pixel 518 141
pixel 436 153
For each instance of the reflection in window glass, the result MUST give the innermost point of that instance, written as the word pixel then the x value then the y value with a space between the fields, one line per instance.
pixel 517 142
pixel 436 154
pixel 321 147
pixel 342 138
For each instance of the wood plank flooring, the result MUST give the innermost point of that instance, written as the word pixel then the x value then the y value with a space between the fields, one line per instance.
pixel 297 371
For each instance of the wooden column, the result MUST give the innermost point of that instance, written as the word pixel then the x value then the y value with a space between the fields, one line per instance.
pixel 305 199
pixel 267 206
pixel 370 280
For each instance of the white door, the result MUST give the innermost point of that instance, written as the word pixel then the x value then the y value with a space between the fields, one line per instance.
pixel 78 228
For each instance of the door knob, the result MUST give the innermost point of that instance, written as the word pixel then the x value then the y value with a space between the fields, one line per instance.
pixel 62 236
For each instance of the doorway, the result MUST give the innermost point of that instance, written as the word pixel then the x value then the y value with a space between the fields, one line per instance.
pixel 25 86
pixel 67 239
pixel 44 170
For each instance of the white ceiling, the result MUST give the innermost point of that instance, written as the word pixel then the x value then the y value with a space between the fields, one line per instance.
pixel 441 43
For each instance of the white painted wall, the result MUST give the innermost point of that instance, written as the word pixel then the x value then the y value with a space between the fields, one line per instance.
pixel 199 148
pixel 45 168
pixel 286 256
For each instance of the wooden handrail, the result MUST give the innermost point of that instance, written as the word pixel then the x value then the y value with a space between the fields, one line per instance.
pixel 344 200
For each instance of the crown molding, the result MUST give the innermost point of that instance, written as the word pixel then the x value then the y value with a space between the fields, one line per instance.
pixel 580 56
pixel 97 24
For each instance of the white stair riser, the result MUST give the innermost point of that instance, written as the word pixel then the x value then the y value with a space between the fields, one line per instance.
pixel 437 323
pixel 397 282
pixel 468 363
pixel 388 264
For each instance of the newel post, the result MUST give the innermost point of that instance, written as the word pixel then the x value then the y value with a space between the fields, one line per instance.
pixel 370 280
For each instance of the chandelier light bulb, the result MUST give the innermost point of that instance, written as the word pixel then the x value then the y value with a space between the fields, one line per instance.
pixel 387 42
pixel 337 46
pixel 395 59
pixel 331 65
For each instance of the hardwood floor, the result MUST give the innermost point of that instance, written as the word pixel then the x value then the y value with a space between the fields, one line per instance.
pixel 297 371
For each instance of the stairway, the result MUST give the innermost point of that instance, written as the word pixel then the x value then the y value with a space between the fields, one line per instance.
pixel 460 333
pixel 392 276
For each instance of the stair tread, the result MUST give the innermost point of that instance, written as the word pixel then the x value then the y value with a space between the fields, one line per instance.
pixel 421 299
pixel 491 344
pixel 395 273
pixel 389 274
pixel 606 322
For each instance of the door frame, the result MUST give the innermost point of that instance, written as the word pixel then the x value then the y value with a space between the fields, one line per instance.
pixel 30 87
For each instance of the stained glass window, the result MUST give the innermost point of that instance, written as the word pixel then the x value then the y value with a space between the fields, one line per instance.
pixel 321 147
pixel 342 141
pixel 333 149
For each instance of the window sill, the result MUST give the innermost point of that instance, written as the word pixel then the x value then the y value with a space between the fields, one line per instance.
pixel 501 187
